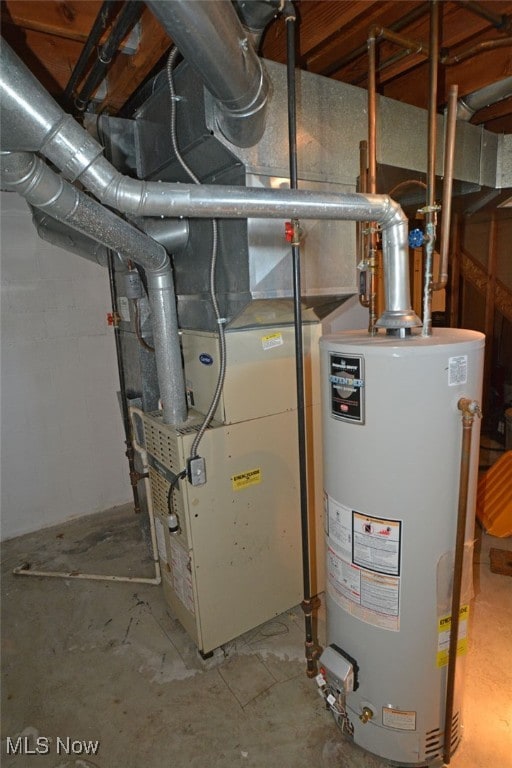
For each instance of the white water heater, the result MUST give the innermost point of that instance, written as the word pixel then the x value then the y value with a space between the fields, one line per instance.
pixel 392 448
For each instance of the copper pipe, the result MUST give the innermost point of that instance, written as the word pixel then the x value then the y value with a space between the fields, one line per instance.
pixel 430 212
pixel 449 154
pixel 474 50
pixel 403 22
pixel 469 409
pixel 432 103
pixel 383 33
pixel 372 178
pixel 404 184
pixel 364 298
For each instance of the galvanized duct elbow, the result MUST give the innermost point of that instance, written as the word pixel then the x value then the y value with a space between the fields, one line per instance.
pixel 484 97
pixel 211 38
pixel 255 15
pixel 395 248
pixel 29 176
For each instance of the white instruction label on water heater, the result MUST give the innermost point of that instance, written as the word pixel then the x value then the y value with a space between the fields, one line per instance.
pixel 363 565
pixel 398 718
pixel 457 370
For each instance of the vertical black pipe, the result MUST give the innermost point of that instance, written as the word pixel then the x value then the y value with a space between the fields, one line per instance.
pixel 128 16
pixel 307 604
pixel 97 29
pixel 130 454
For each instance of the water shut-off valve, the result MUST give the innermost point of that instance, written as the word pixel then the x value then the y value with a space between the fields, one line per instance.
pixel 416 238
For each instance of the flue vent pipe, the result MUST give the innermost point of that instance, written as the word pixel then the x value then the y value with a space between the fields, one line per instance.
pixel 212 39
pixel 69 147
pixel 28 175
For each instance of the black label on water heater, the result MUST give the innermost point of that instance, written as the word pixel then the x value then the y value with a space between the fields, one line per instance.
pixel 346 378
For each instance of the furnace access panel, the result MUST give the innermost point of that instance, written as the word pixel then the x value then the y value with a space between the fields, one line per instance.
pixel 235 561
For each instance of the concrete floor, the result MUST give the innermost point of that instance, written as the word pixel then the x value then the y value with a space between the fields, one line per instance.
pixel 105 661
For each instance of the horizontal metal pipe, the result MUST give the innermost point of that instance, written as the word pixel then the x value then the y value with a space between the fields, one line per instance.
pixel 68 146
pixel 474 50
pixel 211 38
pixel 383 33
pixel 40 186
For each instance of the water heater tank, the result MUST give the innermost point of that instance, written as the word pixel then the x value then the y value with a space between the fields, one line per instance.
pixel 392 446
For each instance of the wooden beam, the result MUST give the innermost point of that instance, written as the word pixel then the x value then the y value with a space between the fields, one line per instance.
pixel 70 19
pixel 494 112
pixel 328 59
pixel 127 72
pixel 50 58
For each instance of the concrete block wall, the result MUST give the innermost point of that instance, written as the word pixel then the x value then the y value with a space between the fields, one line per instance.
pixel 62 441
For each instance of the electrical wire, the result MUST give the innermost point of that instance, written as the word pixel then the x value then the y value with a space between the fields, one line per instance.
pixel 213 263
pixel 172 486
pixel 138 332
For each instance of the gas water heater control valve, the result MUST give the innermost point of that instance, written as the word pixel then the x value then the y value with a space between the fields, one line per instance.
pixel 338 670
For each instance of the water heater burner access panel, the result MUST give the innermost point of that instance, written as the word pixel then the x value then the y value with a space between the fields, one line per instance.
pixel 346 377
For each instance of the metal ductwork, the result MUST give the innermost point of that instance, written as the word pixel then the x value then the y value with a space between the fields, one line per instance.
pixel 63 236
pixel 484 97
pixel 68 146
pixel 256 14
pixel 211 38
pixel 29 176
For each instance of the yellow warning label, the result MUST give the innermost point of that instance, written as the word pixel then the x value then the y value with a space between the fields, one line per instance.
pixel 272 340
pixel 245 479
pixel 444 628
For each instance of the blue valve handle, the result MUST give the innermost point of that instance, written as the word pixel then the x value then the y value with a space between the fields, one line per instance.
pixel 416 238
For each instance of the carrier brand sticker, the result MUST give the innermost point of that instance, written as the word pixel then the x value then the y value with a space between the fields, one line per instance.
pixel 457 370
pixel 272 340
pixel 205 358
pixel 444 629
pixel 400 719
pixel 245 479
pixel 346 379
